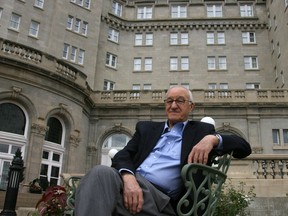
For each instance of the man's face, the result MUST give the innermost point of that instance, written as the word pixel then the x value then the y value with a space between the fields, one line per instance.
pixel 178 105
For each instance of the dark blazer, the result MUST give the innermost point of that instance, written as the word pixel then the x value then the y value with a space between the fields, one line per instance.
pixel 148 133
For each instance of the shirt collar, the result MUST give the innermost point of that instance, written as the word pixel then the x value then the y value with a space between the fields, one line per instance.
pixel 166 127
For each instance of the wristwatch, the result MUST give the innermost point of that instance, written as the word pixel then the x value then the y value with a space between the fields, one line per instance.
pixel 218 137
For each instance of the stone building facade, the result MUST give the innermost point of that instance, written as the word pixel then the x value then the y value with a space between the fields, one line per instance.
pixel 76 76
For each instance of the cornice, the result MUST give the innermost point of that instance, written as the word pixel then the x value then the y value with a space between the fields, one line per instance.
pixel 182 24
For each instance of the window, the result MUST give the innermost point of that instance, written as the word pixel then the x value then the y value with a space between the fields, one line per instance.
pixel 76 55
pixel 252 86
pixel 248 37
pixel 136 87
pixel 276 136
pixel 212 86
pixel 54 134
pixel 115 141
pixel 53 149
pixel 215 37
pixel 12 119
pixel 212 63
pixel 222 63
pixel 113 35
pixel 108 85
pixel 178 11
pixel 73 53
pixel 143 39
pixel 184 63
pixel 15 21
pixel 246 10
pixel 77 25
pixel 223 85
pixel 280 137
pixel 85 4
pixel 173 63
pixel 250 62
pixel 117 8
pixel 147 86
pixel 84 28
pixel 34 28
pixel 111 60
pixel 214 10
pixel 285 136
pixel 13 127
pixel 148 64
pixel 70 22
pixel 138 39
pixel 144 12
pixel 149 39
pixel 137 64
pixel 65 51
pixel 81 54
pixel 179 38
pixel 39 3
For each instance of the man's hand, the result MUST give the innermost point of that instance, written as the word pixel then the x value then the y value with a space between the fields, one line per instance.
pixel 201 150
pixel 132 193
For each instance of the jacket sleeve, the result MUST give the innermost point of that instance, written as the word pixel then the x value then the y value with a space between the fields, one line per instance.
pixel 236 144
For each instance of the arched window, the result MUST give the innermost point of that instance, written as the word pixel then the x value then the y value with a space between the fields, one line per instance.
pixel 114 141
pixel 52 155
pixel 13 124
pixel 54 134
pixel 12 119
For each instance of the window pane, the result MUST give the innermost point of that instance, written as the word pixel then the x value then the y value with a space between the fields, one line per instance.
pixel 55 171
pixel 56 157
pixel 12 119
pixel 54 134
pixel 45 155
pixel 4 148
pixel 285 136
pixel 116 140
pixel 44 170
pixel 275 135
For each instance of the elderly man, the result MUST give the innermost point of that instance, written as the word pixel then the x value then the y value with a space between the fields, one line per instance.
pixel 145 176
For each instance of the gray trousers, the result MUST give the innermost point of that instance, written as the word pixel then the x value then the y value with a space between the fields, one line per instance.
pixel 100 194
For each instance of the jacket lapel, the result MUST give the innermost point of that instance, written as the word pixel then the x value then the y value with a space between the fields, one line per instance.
pixel 188 142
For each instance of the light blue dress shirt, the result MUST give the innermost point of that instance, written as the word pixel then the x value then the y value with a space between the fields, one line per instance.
pixel 162 166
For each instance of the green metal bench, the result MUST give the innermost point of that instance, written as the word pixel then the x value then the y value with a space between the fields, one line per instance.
pixel 203 197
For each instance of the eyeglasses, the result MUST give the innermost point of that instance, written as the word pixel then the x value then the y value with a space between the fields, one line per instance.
pixel 178 101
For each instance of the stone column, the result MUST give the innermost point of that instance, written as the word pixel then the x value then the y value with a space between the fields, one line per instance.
pixel 34 151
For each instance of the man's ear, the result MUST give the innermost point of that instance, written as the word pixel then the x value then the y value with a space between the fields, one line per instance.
pixel 192 105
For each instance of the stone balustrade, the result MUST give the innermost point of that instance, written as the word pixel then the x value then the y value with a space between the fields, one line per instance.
pixel 19 52
pixel 270 166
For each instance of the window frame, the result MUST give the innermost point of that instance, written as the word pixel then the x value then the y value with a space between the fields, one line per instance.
pixel 178 11
pixel 15 21
pixel 113 35
pixel 39 3
pixel 144 12
pixel 248 37
pixel 214 10
pixel 111 60
pixel 251 63
pixel 246 10
pixel 117 8
pixel 31 28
